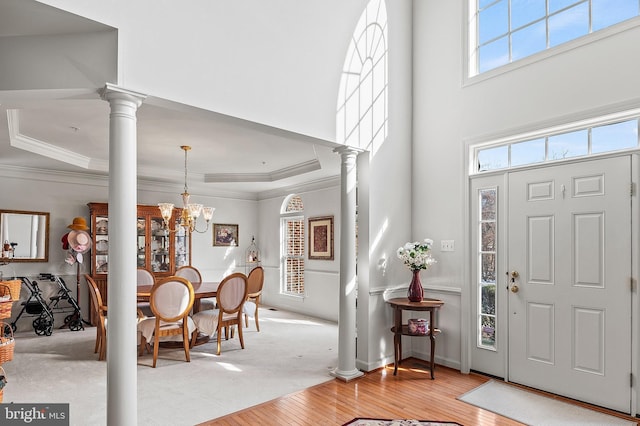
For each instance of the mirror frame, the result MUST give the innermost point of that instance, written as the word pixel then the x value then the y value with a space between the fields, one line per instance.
pixel 46 238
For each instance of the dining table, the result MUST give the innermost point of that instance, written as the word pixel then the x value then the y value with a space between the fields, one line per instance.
pixel 201 290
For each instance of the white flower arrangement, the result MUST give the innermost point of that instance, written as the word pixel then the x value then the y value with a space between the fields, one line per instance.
pixel 417 255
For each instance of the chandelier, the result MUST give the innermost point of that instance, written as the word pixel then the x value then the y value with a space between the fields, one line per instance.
pixel 190 211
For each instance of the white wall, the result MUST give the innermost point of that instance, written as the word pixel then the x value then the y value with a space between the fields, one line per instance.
pixel 586 81
pixel 234 48
pixel 322 278
pixel 66 197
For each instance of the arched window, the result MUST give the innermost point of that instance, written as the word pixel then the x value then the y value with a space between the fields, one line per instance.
pixel 361 119
pixel 292 246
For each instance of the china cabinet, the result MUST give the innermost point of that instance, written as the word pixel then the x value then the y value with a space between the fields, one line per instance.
pixel 158 250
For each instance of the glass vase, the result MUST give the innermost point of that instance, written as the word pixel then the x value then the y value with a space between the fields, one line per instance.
pixel 415 293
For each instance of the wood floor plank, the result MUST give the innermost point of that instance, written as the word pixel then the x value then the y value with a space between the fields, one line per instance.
pixel 379 394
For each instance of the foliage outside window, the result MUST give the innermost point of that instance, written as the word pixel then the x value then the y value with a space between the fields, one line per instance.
pixel 487 255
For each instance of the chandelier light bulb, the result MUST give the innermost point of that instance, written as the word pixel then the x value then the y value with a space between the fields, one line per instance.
pixel 190 211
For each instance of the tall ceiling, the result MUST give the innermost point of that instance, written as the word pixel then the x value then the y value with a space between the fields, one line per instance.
pixel 67 132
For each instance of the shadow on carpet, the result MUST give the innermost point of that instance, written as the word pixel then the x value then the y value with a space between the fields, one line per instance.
pixel 360 421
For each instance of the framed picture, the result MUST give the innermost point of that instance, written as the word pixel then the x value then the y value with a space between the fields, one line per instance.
pixel 321 238
pixel 225 235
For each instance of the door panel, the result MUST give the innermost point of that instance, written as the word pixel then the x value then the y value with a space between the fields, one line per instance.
pixel 569 323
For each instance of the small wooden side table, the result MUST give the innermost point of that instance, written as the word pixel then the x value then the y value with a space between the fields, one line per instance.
pixel 399 329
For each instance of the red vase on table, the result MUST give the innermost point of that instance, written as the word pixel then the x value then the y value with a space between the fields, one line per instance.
pixel 415 292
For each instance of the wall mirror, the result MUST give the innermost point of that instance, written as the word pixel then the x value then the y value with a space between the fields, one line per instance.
pixel 24 236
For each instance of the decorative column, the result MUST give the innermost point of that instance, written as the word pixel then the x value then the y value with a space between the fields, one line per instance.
pixel 346 369
pixel 122 384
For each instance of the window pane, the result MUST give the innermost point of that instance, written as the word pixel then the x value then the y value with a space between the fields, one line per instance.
pixel 527 152
pixel 488 236
pixel 608 12
pixel 556 5
pixel 526 11
pixel 493 158
pixel 488 299
pixel 568 145
pixel 614 137
pixel 569 24
pixel 483 3
pixel 493 55
pixel 488 331
pixel 493 21
pixel 488 268
pixel 529 40
pixel 488 204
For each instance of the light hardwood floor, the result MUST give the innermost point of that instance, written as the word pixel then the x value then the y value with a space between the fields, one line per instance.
pixel 379 394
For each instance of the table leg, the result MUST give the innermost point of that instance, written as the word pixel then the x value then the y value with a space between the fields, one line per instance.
pixel 433 343
pixel 397 339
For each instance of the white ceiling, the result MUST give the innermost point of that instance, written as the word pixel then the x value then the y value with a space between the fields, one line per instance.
pixel 70 133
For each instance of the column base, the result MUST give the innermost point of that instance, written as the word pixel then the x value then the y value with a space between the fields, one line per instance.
pixel 346 375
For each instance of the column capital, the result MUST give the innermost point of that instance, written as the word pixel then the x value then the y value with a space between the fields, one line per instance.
pixel 111 92
pixel 347 150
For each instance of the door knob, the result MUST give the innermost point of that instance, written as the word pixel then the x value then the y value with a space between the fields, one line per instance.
pixel 514 288
pixel 515 274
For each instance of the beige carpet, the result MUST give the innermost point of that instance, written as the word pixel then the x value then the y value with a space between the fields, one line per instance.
pixel 290 353
pixel 533 409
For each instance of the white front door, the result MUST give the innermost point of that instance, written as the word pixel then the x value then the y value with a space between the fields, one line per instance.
pixel 569 242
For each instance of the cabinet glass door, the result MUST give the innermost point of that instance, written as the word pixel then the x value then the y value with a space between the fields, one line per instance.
pixel 182 247
pixel 160 246
pixel 102 245
pixel 142 243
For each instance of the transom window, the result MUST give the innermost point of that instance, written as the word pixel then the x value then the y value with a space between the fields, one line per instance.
pixel 580 142
pixel 504 31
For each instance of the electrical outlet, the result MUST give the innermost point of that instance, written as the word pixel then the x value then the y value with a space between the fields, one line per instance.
pixel 447 245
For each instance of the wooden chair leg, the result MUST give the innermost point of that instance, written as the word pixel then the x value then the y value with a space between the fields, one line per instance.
pixel 240 334
pixel 185 342
pixel 255 316
pixel 156 346
pixel 219 341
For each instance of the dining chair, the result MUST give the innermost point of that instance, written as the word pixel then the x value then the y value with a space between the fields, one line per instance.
pixel 255 281
pixel 193 274
pixel 231 295
pixel 100 310
pixel 144 277
pixel 171 301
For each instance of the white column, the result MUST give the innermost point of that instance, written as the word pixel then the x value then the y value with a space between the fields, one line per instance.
pixel 346 369
pixel 122 384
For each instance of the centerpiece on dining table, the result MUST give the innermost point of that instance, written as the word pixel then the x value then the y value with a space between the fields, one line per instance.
pixel 417 256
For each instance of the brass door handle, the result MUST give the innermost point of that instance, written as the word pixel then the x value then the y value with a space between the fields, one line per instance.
pixel 514 288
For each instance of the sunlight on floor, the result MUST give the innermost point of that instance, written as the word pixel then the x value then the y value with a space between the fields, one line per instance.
pixel 229 367
pixel 290 321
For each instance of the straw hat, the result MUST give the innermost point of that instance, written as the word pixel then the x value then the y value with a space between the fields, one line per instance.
pixel 79 224
pixel 79 241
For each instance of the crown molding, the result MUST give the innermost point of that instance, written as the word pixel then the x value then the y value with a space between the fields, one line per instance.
pixel 316 185
pixel 295 170
pixel 36 146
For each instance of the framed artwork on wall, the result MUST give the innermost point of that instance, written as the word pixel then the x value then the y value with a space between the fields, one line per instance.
pixel 225 235
pixel 321 238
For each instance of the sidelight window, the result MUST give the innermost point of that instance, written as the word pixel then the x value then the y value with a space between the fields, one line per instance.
pixel 487 254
